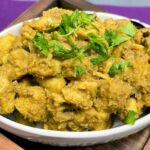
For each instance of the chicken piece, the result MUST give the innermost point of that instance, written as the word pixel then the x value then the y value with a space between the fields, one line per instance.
pixel 66 116
pixel 90 120
pixel 16 65
pixel 80 94
pixel 48 22
pixel 43 67
pixel 68 67
pixel 27 32
pixel 115 93
pixel 79 120
pixel 7 96
pixel 50 19
pixel 6 43
pixel 139 69
pixel 52 84
pixel 31 103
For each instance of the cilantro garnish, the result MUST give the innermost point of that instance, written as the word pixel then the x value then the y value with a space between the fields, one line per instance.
pixel 113 39
pixel 61 52
pixel 120 39
pixel 41 43
pixel 128 29
pixel 97 44
pixel 69 24
pixel 114 69
pixel 131 117
pixel 99 59
pixel 78 71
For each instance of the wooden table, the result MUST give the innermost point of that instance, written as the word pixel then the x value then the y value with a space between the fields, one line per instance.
pixel 139 141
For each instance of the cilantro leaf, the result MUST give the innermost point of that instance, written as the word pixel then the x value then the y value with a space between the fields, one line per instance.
pixel 119 39
pixel 61 52
pixel 86 19
pixel 109 36
pixel 131 117
pixel 74 18
pixel 69 24
pixel 114 69
pixel 79 71
pixel 97 44
pixel 113 39
pixel 80 54
pixel 128 29
pixel 41 43
pixel 99 59
pixel 65 25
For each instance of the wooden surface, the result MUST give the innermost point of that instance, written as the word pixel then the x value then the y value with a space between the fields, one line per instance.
pixel 139 141
pixel 6 144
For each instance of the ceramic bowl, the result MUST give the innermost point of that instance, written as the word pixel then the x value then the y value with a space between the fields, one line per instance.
pixel 66 138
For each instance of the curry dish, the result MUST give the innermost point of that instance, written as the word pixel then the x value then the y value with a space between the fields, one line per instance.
pixel 72 71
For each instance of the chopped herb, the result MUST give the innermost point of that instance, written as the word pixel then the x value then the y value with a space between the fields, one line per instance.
pixel 81 53
pixel 97 44
pixel 109 36
pixel 41 43
pixel 131 117
pixel 61 52
pixel 69 24
pixel 99 59
pixel 79 71
pixel 72 42
pixel 128 29
pixel 86 19
pixel 120 39
pixel 113 39
pixel 114 69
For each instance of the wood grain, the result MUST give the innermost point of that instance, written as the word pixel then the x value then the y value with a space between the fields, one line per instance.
pixel 147 146
pixel 6 144
pixel 79 4
pixel 34 11
pixel 133 142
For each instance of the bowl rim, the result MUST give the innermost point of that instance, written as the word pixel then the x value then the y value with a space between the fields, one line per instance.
pixel 141 122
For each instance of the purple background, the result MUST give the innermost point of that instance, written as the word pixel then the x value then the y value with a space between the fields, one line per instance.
pixel 10 9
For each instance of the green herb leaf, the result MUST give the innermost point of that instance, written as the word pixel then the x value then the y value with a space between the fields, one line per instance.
pixel 61 52
pixel 69 24
pixel 86 19
pixel 128 29
pixel 113 39
pixel 99 59
pixel 74 18
pixel 79 71
pixel 131 117
pixel 119 39
pixel 41 43
pixel 80 54
pixel 97 44
pixel 109 36
pixel 114 69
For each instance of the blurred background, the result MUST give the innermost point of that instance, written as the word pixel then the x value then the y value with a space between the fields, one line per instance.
pixel 138 9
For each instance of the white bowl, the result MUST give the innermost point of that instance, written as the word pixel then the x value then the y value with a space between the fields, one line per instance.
pixel 65 138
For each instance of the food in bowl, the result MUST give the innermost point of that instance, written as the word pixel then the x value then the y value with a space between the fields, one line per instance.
pixel 72 71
